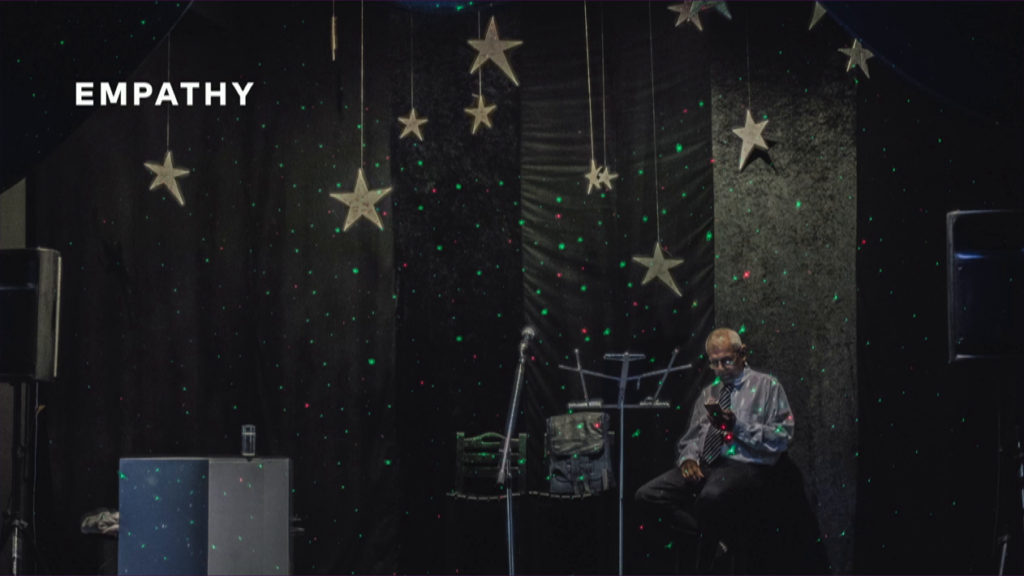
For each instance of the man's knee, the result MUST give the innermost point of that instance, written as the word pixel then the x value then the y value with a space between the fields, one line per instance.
pixel 643 494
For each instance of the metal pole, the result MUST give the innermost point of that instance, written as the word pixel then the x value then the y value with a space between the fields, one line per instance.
pixel 511 532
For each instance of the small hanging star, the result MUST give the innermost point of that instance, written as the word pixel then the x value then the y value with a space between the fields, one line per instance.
pixel 819 12
pixel 165 174
pixel 751 135
pixel 412 125
pixel 605 178
pixel 658 267
pixel 859 56
pixel 593 177
pixel 493 49
pixel 481 114
pixel 361 203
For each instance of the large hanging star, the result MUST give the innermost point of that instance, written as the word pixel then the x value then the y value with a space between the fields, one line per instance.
pixel 686 15
pixel 605 178
pixel 412 125
pixel 481 114
pixel 819 12
pixel 493 49
pixel 859 56
pixel 751 135
pixel 361 203
pixel 658 267
pixel 593 177
pixel 165 174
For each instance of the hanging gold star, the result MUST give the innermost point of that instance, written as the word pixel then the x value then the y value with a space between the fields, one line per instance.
pixel 480 114
pixel 165 174
pixel 605 178
pixel 412 125
pixel 658 267
pixel 593 177
pixel 685 14
pixel 819 12
pixel 751 135
pixel 858 57
pixel 362 202
pixel 493 49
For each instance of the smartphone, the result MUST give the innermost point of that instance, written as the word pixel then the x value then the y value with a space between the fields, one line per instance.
pixel 714 410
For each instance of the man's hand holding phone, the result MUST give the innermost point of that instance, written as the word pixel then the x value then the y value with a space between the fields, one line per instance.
pixel 721 419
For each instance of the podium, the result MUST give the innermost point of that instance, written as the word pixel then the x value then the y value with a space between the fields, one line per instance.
pixel 205 516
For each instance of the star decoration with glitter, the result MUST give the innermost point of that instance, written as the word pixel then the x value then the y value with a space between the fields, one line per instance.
pixel 481 114
pixel 819 12
pixel 166 174
pixel 362 202
pixel 751 135
pixel 493 49
pixel 686 14
pixel 605 178
pixel 859 56
pixel 412 125
pixel 593 177
pixel 658 267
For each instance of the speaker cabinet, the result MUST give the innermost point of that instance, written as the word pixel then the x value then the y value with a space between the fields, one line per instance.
pixel 205 516
pixel 985 284
pixel 29 314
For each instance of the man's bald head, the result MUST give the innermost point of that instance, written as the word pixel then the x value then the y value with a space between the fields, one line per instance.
pixel 723 339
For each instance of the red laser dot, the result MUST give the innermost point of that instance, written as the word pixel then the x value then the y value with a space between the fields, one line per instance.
pixel 712 160
pixel 307 404
pixel 746 274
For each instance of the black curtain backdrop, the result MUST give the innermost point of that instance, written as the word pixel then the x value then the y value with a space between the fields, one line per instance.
pixel 459 272
pixel 582 289
pixel 248 304
pixel 360 354
pixel 928 471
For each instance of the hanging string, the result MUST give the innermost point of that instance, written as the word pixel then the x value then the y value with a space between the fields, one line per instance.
pixel 480 70
pixel 654 126
pixel 167 144
pixel 604 108
pixel 590 95
pixel 749 97
pixel 334 33
pixel 412 91
pixel 362 70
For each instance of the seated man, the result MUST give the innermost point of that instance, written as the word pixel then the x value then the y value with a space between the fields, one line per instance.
pixel 726 451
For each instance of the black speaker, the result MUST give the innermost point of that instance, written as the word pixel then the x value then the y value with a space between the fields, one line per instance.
pixel 985 284
pixel 29 314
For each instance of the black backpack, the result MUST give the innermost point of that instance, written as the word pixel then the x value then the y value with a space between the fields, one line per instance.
pixel 578 449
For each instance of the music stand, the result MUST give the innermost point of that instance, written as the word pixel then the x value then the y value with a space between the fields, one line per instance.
pixel 596 405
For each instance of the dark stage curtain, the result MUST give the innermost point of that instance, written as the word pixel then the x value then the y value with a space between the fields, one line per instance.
pixel 582 289
pixel 248 304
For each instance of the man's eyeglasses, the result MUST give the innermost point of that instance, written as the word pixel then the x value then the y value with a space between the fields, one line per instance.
pixel 726 362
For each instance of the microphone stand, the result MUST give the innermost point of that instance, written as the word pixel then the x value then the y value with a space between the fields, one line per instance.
pixel 504 473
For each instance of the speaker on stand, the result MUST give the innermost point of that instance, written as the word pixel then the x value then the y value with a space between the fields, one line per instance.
pixel 985 304
pixel 29 332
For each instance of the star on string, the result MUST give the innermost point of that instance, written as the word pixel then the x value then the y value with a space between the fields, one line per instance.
pixel 481 114
pixel 594 176
pixel 751 135
pixel 412 125
pixel 361 203
pixel 819 11
pixel 859 56
pixel 605 178
pixel 658 267
pixel 493 49
pixel 686 14
pixel 165 175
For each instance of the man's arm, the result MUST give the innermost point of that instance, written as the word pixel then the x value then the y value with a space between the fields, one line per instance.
pixel 689 445
pixel 775 435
